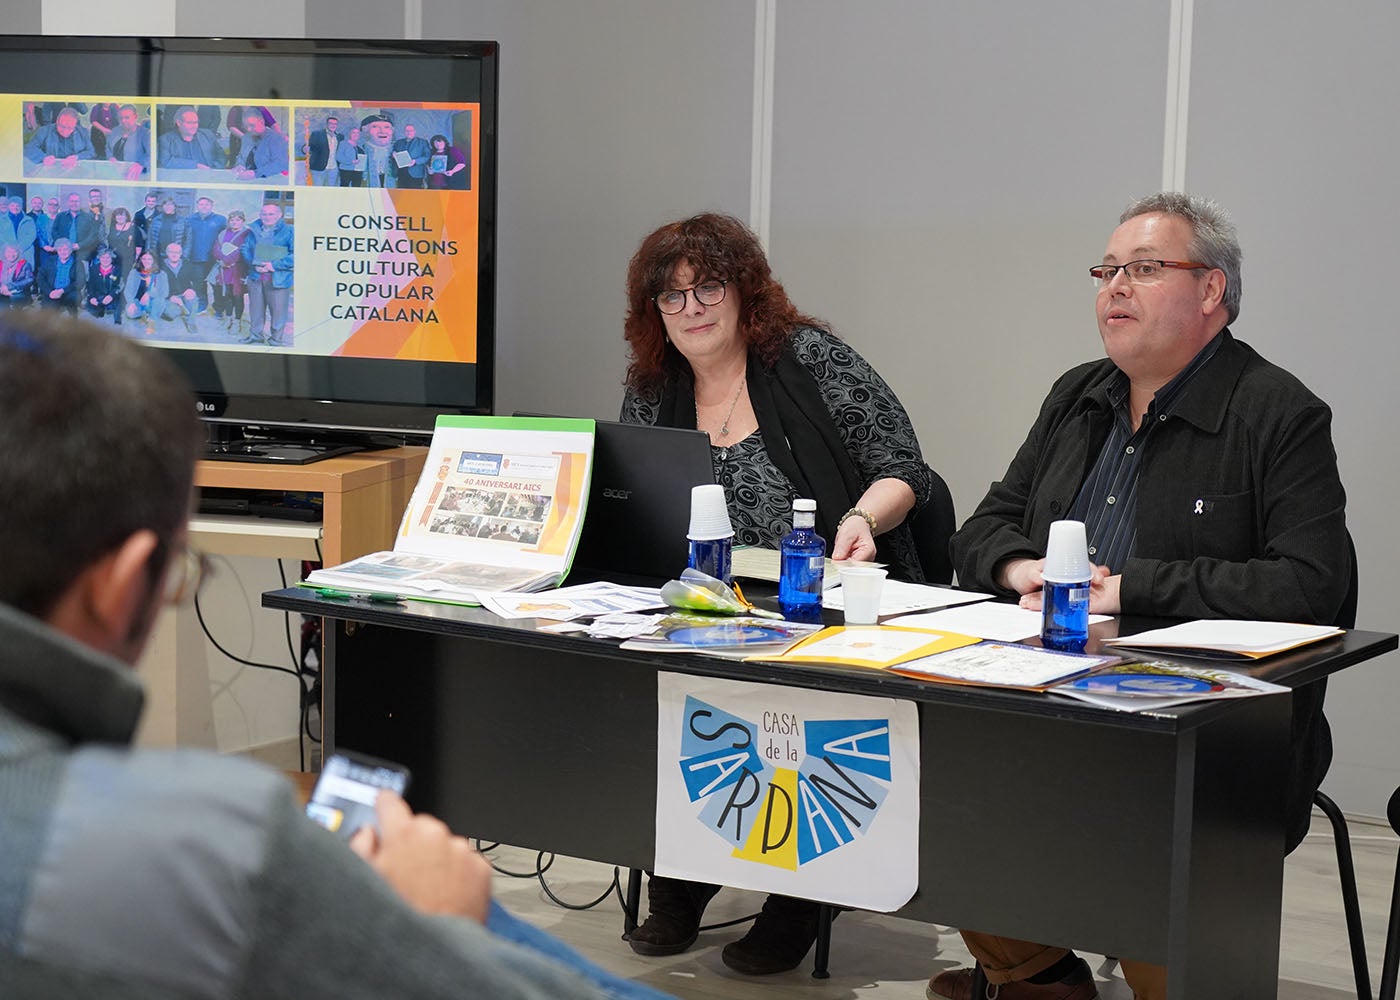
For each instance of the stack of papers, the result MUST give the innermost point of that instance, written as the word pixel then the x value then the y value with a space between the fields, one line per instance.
pixel 1227 639
pixel 753 562
pixel 587 600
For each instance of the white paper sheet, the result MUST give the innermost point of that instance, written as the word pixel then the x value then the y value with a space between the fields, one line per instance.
pixel 897 597
pixel 997 621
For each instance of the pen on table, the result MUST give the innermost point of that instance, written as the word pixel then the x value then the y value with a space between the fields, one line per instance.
pixel 347 595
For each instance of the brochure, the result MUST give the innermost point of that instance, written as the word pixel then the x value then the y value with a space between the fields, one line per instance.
pixel 1227 639
pixel 499 507
pixel 1146 686
pixel 878 647
pixel 1000 664
pixel 714 635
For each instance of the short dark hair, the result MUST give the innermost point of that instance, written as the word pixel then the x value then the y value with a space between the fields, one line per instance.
pixel 98 439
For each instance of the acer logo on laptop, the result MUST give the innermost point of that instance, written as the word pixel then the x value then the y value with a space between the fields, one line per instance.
pixel 614 494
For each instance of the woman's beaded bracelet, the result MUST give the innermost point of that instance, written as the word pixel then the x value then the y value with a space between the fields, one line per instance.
pixel 864 515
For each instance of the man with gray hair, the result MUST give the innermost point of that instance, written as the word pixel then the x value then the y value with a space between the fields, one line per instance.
pixel 61 142
pixel 187 146
pixel 1208 485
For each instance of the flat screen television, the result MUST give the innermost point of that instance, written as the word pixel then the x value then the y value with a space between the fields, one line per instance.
pixel 332 207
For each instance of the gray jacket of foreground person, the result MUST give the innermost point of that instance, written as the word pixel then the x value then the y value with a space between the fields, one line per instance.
pixel 163 874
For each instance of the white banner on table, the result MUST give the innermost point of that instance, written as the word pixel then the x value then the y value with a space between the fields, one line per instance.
pixel 805 793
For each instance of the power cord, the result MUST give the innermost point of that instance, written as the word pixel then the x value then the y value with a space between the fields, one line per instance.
pixel 199 614
pixel 614 888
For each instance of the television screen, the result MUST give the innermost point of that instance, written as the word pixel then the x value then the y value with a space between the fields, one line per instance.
pixel 306 226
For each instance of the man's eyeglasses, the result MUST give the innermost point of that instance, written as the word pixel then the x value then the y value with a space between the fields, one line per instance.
pixel 1142 272
pixel 707 293
pixel 185 575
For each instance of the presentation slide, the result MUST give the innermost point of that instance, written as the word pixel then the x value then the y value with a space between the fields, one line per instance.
pixel 334 230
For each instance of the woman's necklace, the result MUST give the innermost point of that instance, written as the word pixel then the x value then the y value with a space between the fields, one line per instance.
pixel 724 427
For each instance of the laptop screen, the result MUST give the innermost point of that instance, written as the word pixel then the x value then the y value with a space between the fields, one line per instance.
pixel 639 501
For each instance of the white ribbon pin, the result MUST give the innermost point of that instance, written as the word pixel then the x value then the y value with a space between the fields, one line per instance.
pixel 1200 507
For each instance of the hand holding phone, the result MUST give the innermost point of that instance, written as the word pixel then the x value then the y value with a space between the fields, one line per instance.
pixel 345 793
pixel 432 868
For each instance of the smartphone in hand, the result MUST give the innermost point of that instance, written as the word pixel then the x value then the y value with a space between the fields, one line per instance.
pixel 343 799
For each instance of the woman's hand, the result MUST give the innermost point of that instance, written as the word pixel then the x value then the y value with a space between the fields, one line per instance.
pixel 853 540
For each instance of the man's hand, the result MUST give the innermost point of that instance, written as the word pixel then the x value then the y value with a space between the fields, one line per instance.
pixel 434 870
pixel 1021 576
pixel 1103 593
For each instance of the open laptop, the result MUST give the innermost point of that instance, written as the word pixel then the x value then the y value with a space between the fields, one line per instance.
pixel 639 501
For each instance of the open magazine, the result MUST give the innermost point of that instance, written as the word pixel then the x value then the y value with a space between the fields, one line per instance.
pixel 499 507
pixel 1146 686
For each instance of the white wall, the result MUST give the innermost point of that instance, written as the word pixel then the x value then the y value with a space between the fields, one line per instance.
pixel 942 173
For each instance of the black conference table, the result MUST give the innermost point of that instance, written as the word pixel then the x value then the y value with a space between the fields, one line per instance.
pixel 1152 836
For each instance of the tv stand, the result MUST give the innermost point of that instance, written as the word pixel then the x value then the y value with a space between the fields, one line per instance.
pixel 225 443
pixel 363 498
pixel 280 452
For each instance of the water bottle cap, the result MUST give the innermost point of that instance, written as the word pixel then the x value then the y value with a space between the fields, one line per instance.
pixel 1067 553
pixel 709 517
pixel 808 506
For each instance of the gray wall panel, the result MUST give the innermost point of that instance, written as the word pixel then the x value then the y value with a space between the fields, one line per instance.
pixel 354 18
pixel 616 117
pixel 1293 128
pixel 24 17
pixel 942 176
pixel 259 18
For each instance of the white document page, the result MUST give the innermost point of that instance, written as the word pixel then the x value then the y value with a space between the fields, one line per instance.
pixel 991 620
pixel 898 596
pixel 1243 637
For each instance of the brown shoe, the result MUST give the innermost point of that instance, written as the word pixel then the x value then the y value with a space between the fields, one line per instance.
pixel 970 984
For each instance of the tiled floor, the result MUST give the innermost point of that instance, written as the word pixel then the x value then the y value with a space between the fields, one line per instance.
pixel 881 957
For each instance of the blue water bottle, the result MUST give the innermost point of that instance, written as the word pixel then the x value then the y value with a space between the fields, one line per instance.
pixel 1065 594
pixel 711 535
pixel 803 564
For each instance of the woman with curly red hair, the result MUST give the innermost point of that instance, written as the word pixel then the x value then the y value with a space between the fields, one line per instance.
pixel 791 411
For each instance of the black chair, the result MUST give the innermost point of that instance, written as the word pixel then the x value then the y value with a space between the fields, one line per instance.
pixel 932 527
pixel 1391 962
pixel 1346 869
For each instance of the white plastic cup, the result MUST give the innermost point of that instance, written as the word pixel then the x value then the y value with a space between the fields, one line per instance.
pixel 1065 596
pixel 1067 553
pixel 861 587
pixel 709 516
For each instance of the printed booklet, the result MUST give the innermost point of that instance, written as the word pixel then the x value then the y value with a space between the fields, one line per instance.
pixel 499 507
